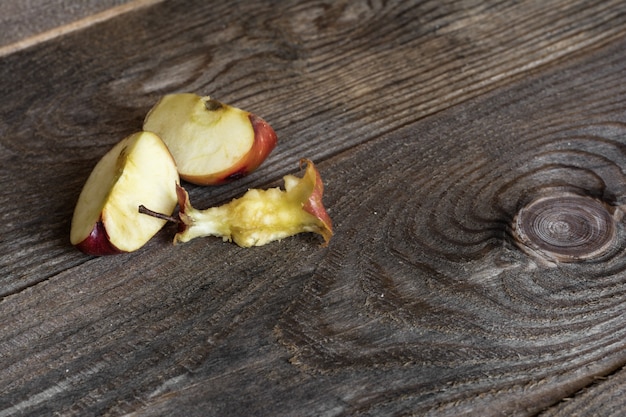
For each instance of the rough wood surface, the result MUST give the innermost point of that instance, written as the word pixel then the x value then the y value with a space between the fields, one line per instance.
pixel 433 125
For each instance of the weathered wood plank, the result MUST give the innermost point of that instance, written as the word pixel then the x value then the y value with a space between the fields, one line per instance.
pixel 605 397
pixel 326 77
pixel 422 303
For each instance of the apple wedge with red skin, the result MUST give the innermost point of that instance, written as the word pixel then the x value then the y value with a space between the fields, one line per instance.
pixel 139 170
pixel 261 216
pixel 212 143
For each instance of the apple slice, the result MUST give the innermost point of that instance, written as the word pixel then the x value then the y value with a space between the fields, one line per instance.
pixel 138 170
pixel 212 142
pixel 261 216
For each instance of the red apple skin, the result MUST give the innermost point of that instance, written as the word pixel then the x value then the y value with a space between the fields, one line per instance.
pixel 314 205
pixel 183 207
pixel 265 140
pixel 98 243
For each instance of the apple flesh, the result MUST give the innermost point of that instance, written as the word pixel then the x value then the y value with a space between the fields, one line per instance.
pixel 261 216
pixel 212 142
pixel 138 170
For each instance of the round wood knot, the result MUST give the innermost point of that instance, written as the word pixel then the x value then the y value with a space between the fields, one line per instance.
pixel 565 228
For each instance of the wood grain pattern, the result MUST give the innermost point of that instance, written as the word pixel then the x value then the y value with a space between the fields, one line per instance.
pixel 603 398
pixel 432 124
pixel 437 286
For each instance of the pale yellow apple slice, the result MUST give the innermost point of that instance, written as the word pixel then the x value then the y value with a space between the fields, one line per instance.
pixel 212 142
pixel 139 170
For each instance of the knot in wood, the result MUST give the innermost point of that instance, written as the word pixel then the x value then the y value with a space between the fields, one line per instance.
pixel 565 228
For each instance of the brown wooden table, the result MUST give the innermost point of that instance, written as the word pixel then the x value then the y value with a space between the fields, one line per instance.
pixel 474 159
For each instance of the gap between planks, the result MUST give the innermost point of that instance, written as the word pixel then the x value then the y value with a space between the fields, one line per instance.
pixel 76 25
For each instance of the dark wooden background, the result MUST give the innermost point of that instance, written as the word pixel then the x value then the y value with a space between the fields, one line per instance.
pixel 433 123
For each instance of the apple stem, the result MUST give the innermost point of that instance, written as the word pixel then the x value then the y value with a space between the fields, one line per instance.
pixel 144 210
